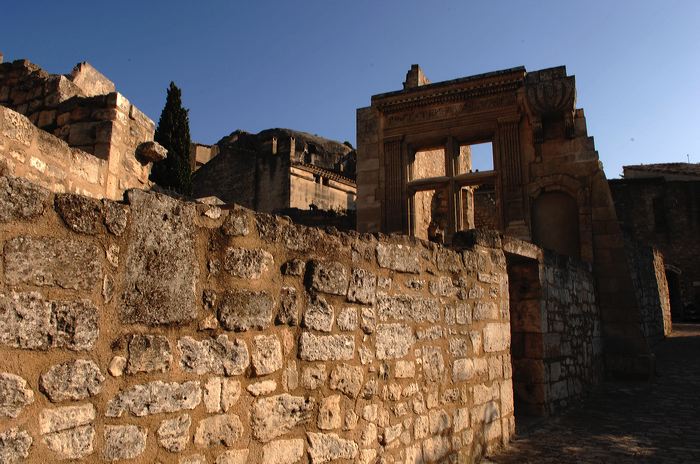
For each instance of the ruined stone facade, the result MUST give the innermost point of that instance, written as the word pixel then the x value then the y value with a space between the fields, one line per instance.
pixel 278 169
pixel 72 133
pixel 548 184
pixel 659 206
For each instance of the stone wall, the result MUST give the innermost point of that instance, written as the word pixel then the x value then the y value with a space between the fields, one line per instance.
pixel 70 108
pixel 557 343
pixel 666 215
pixel 324 193
pixel 651 288
pixel 30 152
pixel 163 331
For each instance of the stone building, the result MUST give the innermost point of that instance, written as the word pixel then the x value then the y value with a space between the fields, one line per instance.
pixel 278 169
pixel 74 132
pixel 659 205
pixel 546 186
pixel 201 154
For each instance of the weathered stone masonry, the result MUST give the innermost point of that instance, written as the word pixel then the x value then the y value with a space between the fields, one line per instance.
pixel 164 331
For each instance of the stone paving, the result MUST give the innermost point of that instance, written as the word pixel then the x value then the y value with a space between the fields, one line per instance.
pixel 645 422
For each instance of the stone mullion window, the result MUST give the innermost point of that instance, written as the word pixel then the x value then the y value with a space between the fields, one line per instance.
pixel 453 185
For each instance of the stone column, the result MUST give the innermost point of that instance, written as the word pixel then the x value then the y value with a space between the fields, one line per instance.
pixel 511 177
pixel 394 184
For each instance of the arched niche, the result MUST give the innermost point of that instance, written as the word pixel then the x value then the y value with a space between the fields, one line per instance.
pixel 555 223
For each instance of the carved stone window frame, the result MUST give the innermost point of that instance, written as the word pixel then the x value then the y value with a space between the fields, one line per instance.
pixel 452 182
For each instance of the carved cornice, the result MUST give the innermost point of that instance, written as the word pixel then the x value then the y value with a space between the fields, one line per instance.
pixel 440 94
pixel 325 173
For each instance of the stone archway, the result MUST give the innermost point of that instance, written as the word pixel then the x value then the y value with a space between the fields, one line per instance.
pixel 555 223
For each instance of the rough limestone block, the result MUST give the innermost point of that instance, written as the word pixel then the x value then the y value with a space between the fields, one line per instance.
pixel 404 369
pixel 288 312
pixel 314 376
pixel 402 258
pixel 319 315
pixel 117 366
pixel 326 347
pixel 21 200
pixel 233 457
pixel 15 394
pixel 328 277
pixel 236 223
pixel 242 310
pixel 193 459
pixel 148 353
pixel 436 448
pixel 213 355
pixel 74 443
pixel 14 445
pixel 408 308
pixel 350 420
pixel 283 451
pixel 325 447
pixel 439 421
pixel 116 216
pixel 262 388
pixel 347 379
pixel 394 340
pixel 53 262
pixel 368 456
pixel 449 261
pixel 212 394
pixel 363 286
pixel 123 442
pixel 266 354
pixel 485 310
pixel 275 416
pixel 174 434
pixel 496 337
pixel 369 436
pixel 294 267
pixel 28 321
pixel 161 265
pixel 368 320
pixel 391 433
pixel 433 364
pixel 66 417
pixel 230 393
pixel 462 369
pixel 347 319
pixel 461 419
pixel 248 264
pixel 82 214
pixel 223 429
pixel 329 417
pixel 421 427
pixel 154 398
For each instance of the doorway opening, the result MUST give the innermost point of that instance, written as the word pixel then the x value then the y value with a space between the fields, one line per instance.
pixel 527 336
pixel 674 294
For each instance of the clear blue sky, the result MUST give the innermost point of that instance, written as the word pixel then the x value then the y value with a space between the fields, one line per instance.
pixel 308 65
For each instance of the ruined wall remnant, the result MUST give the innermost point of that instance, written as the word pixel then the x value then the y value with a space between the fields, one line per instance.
pixel 548 184
pixel 101 127
pixel 651 289
pixel 158 330
pixel 278 169
pixel 659 206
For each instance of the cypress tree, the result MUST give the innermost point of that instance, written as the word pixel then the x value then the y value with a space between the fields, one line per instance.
pixel 173 132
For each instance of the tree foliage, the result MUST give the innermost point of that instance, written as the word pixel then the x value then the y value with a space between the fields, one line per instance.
pixel 173 132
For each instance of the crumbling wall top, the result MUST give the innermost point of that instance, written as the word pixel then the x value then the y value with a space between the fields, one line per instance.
pixel 90 80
